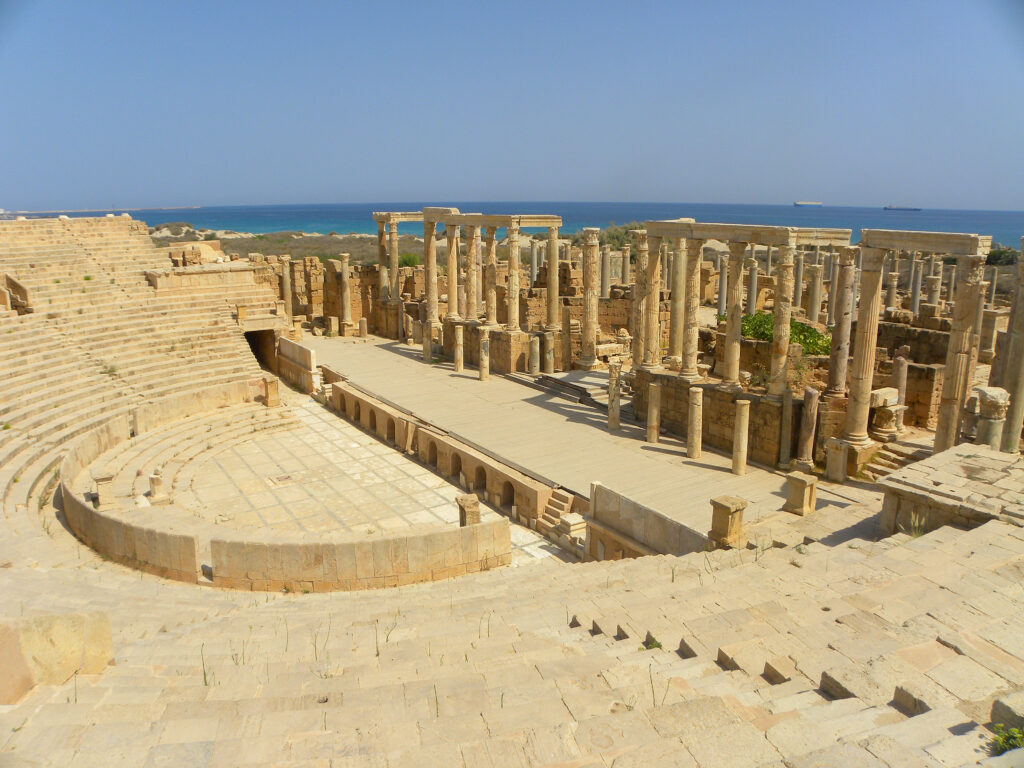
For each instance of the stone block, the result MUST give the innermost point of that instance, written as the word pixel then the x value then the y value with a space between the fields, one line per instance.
pixel 727 521
pixel 884 397
pixel 1009 709
pixel 801 493
pixel 469 509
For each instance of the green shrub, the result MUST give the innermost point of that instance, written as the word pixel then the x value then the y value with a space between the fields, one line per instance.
pixel 210 236
pixel 1006 739
pixel 1000 255
pixel 408 260
pixel 761 327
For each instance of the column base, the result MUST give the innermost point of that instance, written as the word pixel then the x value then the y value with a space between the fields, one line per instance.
pixel 587 365
pixel 804 465
pixel 690 377
pixel 846 458
pixel 730 386
pixel 348 329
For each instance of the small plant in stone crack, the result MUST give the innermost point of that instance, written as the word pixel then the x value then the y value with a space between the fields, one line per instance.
pixel 208 678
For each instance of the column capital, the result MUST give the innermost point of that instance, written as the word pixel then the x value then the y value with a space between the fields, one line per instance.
pixel 737 250
pixel 871 258
pixel 343 258
pixel 694 247
pixel 591 235
pixel 552 233
pixel 640 235
pixel 451 230
pixel 847 255
pixel 490 232
pixel 972 268
pixel 512 229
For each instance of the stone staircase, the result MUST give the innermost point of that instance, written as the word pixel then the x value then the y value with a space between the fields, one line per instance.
pixel 560 503
pixel 860 655
pixel 892 457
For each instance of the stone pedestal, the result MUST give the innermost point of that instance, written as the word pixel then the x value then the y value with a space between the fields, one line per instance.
pixel 469 509
pixel 156 487
pixel 801 493
pixel 836 460
pixel 363 332
pixel 888 414
pixel 534 363
pixel 104 484
pixel 727 522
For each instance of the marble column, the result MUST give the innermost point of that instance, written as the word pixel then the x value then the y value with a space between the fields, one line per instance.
pixel 345 319
pixel 833 280
pixel 740 437
pixel 451 233
pixel 627 268
pixel 814 286
pixel 430 272
pixel 512 294
pixel 691 326
pixel 840 355
pixel 677 304
pixel 862 371
pixel 782 314
pixel 484 367
pixel 591 245
pixel 899 380
pixel 768 268
pixel 534 248
pixel 639 293
pixel 993 283
pixel 606 271
pixel 731 374
pixel 956 379
pixel 1013 367
pixel 891 293
pixel 653 408
pixel 798 279
pixel 459 348
pixel 382 258
pixel 723 284
pixel 694 422
pixel 491 276
pixel 808 424
pixel 933 286
pixel 992 403
pixel 554 321
pixel 286 286
pixel 652 305
pixel 751 263
pixel 472 238
pixel 394 287
pixel 614 390
pixel 915 286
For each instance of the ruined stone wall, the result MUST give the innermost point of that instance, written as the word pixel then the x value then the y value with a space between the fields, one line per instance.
pixel 924 391
pixel 755 357
pixel 926 346
pixel 719 412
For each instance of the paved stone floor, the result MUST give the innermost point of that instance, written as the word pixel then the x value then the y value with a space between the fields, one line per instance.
pixel 557 439
pixel 328 476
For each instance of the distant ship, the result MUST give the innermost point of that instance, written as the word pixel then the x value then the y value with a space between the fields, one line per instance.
pixel 804 202
pixel 900 208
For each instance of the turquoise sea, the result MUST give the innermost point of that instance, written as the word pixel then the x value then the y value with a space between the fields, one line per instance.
pixel 1006 227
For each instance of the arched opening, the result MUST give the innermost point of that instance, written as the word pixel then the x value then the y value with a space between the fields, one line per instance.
pixel 373 420
pixel 342 404
pixel 508 496
pixel 432 454
pixel 355 412
pixel 456 469
pixel 263 345
pixel 391 431
pixel 480 482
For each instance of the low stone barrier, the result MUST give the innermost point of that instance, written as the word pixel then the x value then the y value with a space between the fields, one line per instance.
pixel 513 492
pixel 312 566
pixel 620 527
pixel 146 548
pixel 296 364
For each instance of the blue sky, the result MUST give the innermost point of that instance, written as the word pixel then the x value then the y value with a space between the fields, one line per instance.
pixel 204 103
